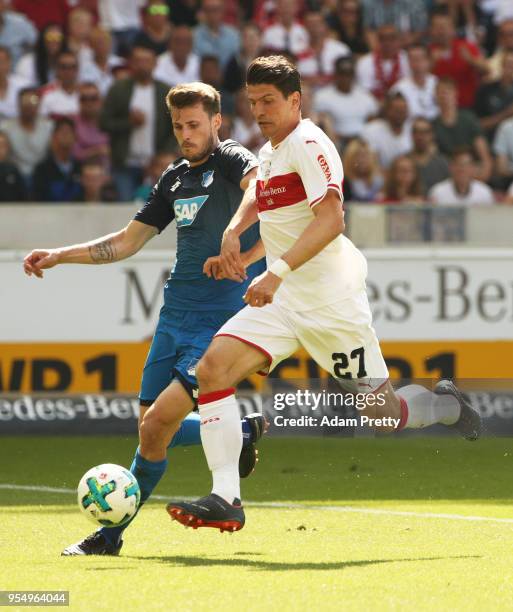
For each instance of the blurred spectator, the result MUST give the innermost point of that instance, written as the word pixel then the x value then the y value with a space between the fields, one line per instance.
pixel 402 182
pixel 210 73
pixel 16 32
pixel 91 143
pixel 390 136
pixel 184 12
pixel 408 16
pixel 43 12
pixel 432 166
pixel 509 195
pixel 265 12
pixel 503 11
pixel 379 70
pixel 12 185
pixel 322 120
pixel 505 43
pixel 456 58
pixel 179 64
pixel 95 185
pixel 235 72
pixel 99 68
pixel 226 129
pixel 245 128
pixel 317 64
pixel 503 149
pixel 456 129
pixel 121 18
pixel 39 66
pixel 419 88
pixel 56 179
pixel 80 25
pixel 10 86
pixel 286 33
pixel 494 101
pixel 156 30
pixel 60 98
pixel 29 133
pixel 461 189
pixel 136 118
pixel 212 37
pixel 158 164
pixel 362 172
pixel 348 105
pixel 346 21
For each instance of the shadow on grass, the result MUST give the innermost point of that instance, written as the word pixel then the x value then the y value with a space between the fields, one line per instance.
pixel 183 561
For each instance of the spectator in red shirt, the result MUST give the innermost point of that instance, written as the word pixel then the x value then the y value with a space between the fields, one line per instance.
pixel 43 12
pixel 456 58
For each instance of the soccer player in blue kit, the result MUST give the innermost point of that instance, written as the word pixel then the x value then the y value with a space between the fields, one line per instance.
pixel 201 191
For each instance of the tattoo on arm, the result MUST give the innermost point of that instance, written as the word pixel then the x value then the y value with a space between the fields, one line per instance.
pixel 103 252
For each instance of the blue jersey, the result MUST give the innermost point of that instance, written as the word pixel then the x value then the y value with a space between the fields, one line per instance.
pixel 202 200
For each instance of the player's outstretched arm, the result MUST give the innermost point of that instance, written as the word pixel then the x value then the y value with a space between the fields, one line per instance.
pixel 107 249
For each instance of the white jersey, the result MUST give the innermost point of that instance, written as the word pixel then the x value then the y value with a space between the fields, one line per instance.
pixel 292 178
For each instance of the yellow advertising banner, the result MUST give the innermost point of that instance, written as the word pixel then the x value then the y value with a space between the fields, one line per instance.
pixel 101 367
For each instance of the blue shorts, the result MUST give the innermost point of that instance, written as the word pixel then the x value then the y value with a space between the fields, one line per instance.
pixel 180 340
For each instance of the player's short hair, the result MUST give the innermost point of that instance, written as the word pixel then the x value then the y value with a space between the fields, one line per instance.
pixel 275 70
pixel 190 94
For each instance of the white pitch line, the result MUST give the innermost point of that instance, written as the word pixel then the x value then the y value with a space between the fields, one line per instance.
pixel 295 506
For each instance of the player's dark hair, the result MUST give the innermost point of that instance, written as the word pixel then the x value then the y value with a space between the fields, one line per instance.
pixel 190 94
pixel 275 70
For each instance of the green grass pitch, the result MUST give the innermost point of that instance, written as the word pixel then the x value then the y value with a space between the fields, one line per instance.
pixel 340 524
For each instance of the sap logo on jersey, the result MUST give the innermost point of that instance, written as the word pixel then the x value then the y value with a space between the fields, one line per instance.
pixel 187 209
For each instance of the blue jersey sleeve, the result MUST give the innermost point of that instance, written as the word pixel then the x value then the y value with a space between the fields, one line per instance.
pixel 157 211
pixel 234 161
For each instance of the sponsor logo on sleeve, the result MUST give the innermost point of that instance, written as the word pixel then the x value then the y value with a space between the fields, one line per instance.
pixel 324 166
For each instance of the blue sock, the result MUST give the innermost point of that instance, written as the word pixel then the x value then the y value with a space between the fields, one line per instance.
pixel 148 474
pixel 189 432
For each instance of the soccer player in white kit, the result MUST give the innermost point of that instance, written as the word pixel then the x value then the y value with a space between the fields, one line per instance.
pixel 312 295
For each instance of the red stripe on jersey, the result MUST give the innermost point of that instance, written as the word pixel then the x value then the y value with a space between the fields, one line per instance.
pixel 330 186
pixel 279 191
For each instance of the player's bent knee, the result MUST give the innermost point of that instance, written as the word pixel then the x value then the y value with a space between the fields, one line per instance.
pixel 211 372
pixel 154 430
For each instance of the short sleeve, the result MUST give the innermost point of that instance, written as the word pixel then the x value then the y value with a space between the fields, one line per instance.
pixel 157 211
pixel 235 161
pixel 320 168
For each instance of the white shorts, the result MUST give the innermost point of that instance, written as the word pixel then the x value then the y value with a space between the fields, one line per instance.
pixel 339 337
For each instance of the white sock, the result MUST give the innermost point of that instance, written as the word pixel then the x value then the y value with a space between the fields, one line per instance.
pixel 221 436
pixel 425 408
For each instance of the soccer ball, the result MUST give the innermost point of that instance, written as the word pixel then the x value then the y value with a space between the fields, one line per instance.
pixel 108 495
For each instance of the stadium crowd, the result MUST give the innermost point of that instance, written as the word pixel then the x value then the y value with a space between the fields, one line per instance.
pixel 417 94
